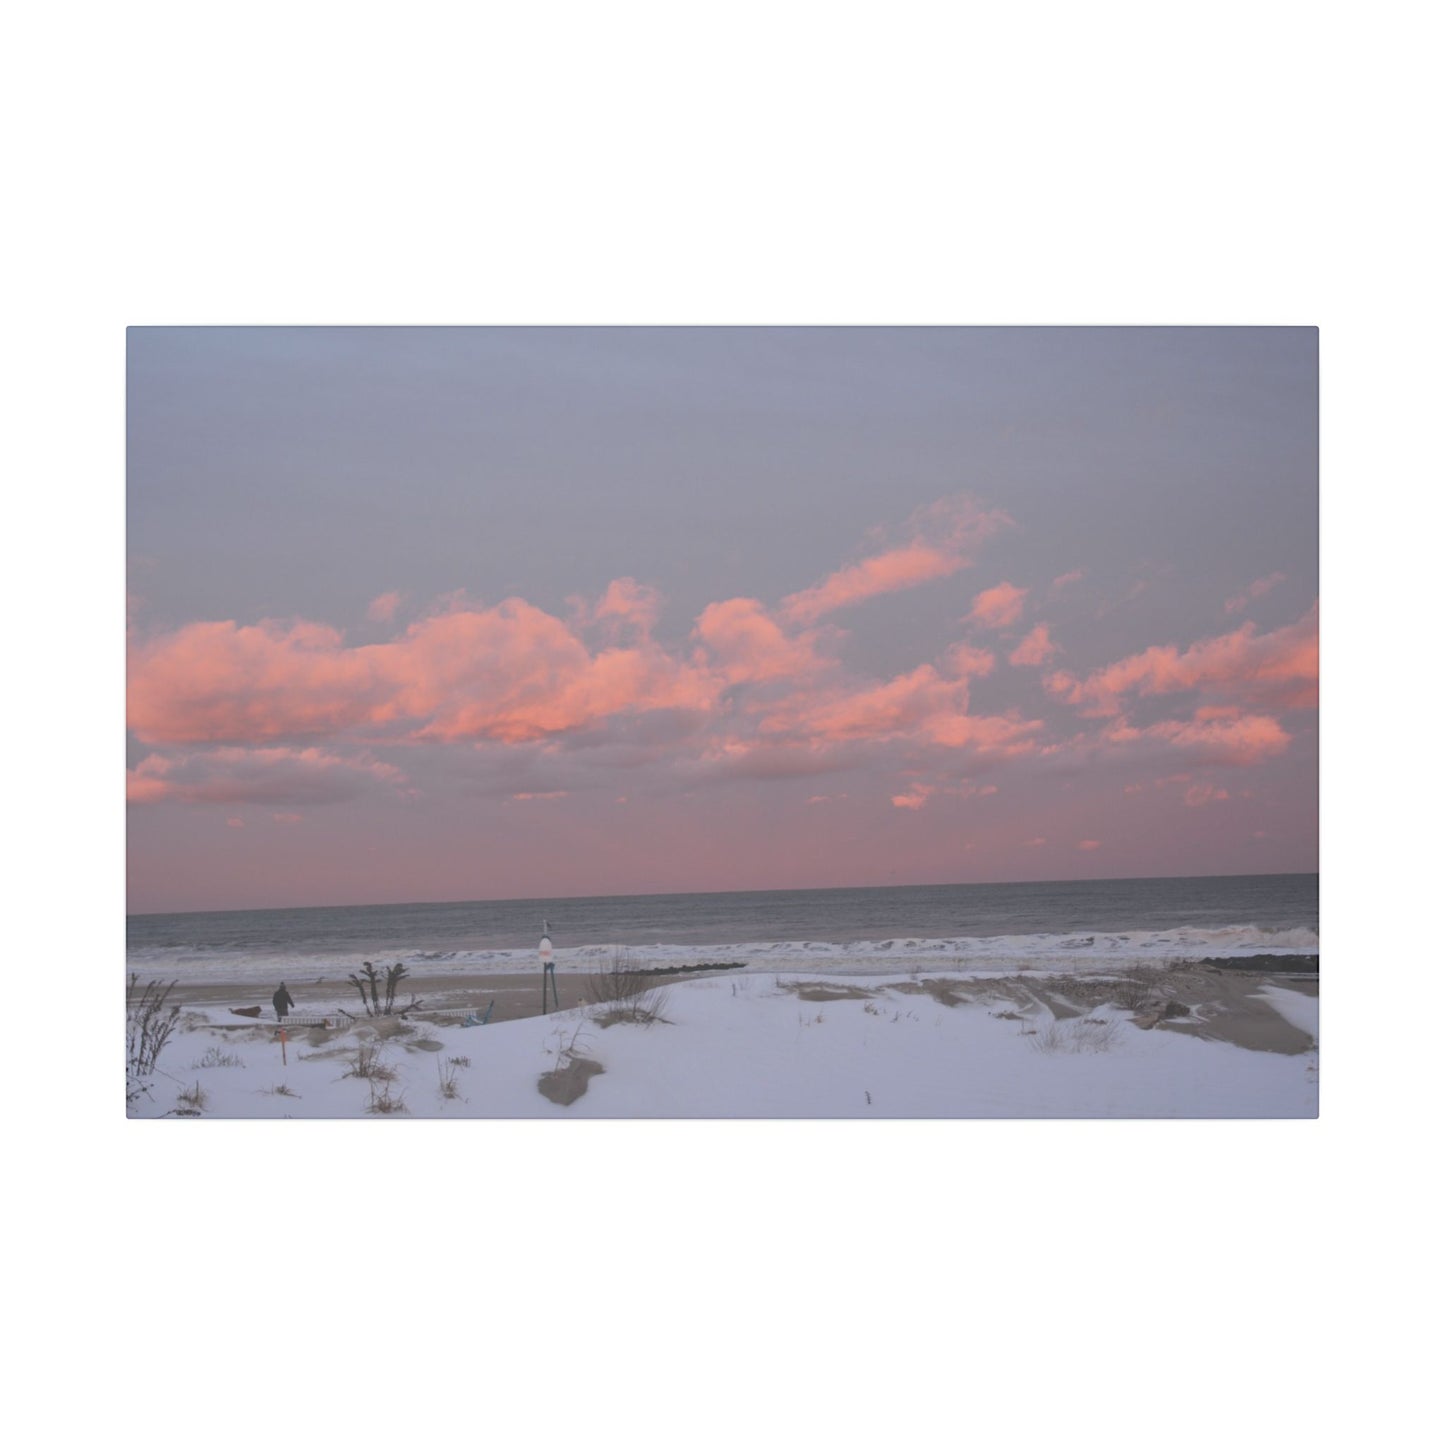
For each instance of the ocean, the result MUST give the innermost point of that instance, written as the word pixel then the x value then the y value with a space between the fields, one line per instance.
pixel 1042 925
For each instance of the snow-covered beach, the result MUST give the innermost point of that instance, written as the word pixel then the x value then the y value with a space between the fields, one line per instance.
pixel 1185 1041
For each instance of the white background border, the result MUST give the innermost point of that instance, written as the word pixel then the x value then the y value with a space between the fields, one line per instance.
pixel 935 164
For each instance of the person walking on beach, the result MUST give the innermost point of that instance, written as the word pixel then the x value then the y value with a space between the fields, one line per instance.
pixel 281 1001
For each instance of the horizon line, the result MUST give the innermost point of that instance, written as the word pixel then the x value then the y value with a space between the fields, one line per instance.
pixel 717 892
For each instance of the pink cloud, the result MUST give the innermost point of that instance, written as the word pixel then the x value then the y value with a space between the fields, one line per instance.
pixel 922 704
pixel 998 606
pixel 628 603
pixel 235 822
pixel 510 672
pixel 514 673
pixel 888 709
pixel 1035 650
pixel 915 797
pixel 147 782
pixel 383 608
pixel 1239 741
pixel 218 682
pixel 1280 667
pixel 1087 845
pixel 1007 736
pixel 268 775
pixel 925 705
pixel 1036 842
pixel 919 793
pixel 942 539
pixel 752 692
pixel 749 646
pixel 888 572
pixel 1067 579
pixel 966 661
pixel 140 789
pixel 1254 592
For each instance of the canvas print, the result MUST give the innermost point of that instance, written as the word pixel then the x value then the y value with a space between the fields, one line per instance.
pixel 722 722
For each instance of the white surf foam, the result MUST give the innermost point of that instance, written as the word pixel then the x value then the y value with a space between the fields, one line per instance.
pixel 1070 952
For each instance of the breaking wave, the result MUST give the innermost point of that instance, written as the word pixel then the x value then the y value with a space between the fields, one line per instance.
pixel 1070 952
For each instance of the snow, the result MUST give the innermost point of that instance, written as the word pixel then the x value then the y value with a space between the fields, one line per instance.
pixel 750 1047
pixel 1298 1009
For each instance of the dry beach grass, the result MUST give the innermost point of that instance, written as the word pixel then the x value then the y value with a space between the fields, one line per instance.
pixel 1205 1000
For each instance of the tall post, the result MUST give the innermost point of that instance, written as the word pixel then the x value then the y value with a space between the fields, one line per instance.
pixel 545 950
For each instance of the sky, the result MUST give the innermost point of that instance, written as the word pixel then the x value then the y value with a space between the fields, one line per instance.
pixel 450 613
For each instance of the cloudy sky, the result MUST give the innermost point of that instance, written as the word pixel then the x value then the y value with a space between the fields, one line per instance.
pixel 449 614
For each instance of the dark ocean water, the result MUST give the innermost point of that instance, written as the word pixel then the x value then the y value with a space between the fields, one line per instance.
pixel 1042 922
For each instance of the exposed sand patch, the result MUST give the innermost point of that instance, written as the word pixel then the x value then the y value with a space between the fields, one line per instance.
pixel 1201 1000
pixel 945 990
pixel 566 1085
pixel 827 992
pixel 1226 1006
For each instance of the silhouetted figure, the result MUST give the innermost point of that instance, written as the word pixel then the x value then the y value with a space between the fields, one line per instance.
pixel 281 1001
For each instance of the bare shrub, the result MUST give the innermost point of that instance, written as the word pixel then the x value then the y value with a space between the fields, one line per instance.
pixel 284 1090
pixel 215 1058
pixel 368 1065
pixel 378 991
pixel 1138 983
pixel 568 1077
pixel 1133 994
pixel 194 1097
pixel 618 980
pixel 150 1020
pixel 1076 1036
pixel 621 993
pixel 566 1049
pixel 383 1101
pixel 447 1079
